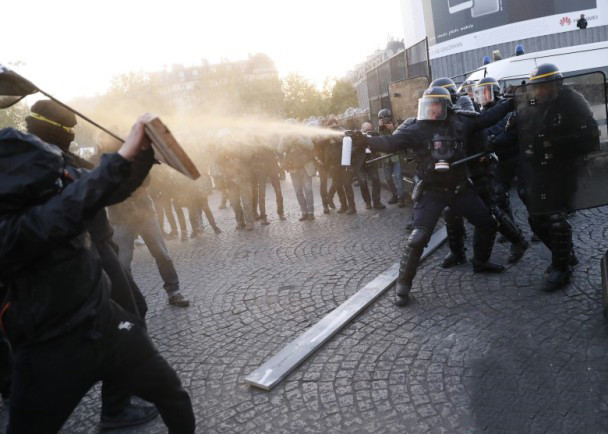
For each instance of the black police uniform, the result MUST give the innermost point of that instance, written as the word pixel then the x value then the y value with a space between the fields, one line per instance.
pixel 443 189
pixel 65 331
pixel 566 114
pixel 482 176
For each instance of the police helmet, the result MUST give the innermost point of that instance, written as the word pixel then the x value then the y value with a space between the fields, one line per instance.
pixel 487 91
pixel 446 83
pixel 468 88
pixel 434 104
pixel 385 113
pixel 465 104
pixel 545 82
pixel 545 72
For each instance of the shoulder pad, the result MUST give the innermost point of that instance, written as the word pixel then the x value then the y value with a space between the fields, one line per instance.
pixel 405 124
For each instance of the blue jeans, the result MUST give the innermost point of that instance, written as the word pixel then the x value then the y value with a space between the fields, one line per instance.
pixel 148 228
pixel 302 184
pixel 393 169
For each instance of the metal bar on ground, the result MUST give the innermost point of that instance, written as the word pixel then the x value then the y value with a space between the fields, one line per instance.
pixel 293 354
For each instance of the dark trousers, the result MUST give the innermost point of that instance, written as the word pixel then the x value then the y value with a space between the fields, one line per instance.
pixel 181 217
pixel 323 176
pixel 428 209
pixel 164 209
pixel 203 206
pixel 555 231
pixel 503 181
pixel 6 364
pixel 124 237
pixel 342 181
pixel 51 378
pixel 258 188
pixel 363 174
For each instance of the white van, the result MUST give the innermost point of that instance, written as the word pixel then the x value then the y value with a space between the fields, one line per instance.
pixel 573 60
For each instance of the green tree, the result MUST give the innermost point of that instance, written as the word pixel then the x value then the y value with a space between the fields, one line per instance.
pixel 302 98
pixel 343 96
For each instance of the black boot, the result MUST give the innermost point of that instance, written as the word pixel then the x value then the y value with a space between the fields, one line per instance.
pixel 483 242
pixel 560 272
pixel 510 231
pixel 393 200
pixel 518 250
pixel 408 265
pixel 402 293
pixel 573 259
pixel 452 259
pixel 130 416
pixel 556 278
pixel 454 225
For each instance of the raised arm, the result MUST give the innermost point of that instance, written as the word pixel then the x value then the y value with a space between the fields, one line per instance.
pixel 401 140
pixel 489 117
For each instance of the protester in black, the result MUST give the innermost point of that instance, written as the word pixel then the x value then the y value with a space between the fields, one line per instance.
pixel 65 331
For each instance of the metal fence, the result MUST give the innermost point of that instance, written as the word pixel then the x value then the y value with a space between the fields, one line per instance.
pixel 413 62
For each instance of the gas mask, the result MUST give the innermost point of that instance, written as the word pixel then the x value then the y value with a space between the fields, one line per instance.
pixel 443 151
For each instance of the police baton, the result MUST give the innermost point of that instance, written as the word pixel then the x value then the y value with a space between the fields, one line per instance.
pixel 382 158
pixel 467 159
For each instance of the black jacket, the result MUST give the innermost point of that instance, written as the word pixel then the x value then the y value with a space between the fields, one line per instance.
pixel 417 136
pixel 49 266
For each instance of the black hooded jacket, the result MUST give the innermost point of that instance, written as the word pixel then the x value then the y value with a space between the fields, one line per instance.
pixel 51 272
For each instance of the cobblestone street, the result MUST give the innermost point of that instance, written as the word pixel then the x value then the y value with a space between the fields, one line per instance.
pixel 472 353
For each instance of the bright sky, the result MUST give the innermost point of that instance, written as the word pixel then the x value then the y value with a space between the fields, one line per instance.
pixel 74 47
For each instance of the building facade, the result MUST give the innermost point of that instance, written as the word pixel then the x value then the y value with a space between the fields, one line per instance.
pixel 461 33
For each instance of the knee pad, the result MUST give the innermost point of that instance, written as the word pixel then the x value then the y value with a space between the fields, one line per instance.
pixel 418 238
pixel 448 214
pixel 559 224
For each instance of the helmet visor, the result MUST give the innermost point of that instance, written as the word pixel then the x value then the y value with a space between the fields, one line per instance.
pixel 484 95
pixel 432 109
pixel 545 92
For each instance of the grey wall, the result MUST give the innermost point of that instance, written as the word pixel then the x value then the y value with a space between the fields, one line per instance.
pixel 461 63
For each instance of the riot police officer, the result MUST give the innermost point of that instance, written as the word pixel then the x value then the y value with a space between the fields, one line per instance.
pixel 468 88
pixel 481 171
pixel 439 137
pixel 459 100
pixel 555 131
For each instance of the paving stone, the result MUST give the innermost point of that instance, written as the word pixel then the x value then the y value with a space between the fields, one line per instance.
pixel 472 353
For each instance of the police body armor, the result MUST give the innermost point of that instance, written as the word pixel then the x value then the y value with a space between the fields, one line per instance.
pixel 563 163
pixel 434 160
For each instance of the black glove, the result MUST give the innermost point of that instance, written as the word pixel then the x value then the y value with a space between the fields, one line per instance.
pixel 359 139
pixel 491 143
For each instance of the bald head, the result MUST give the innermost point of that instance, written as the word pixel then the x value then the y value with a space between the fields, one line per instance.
pixel 366 127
